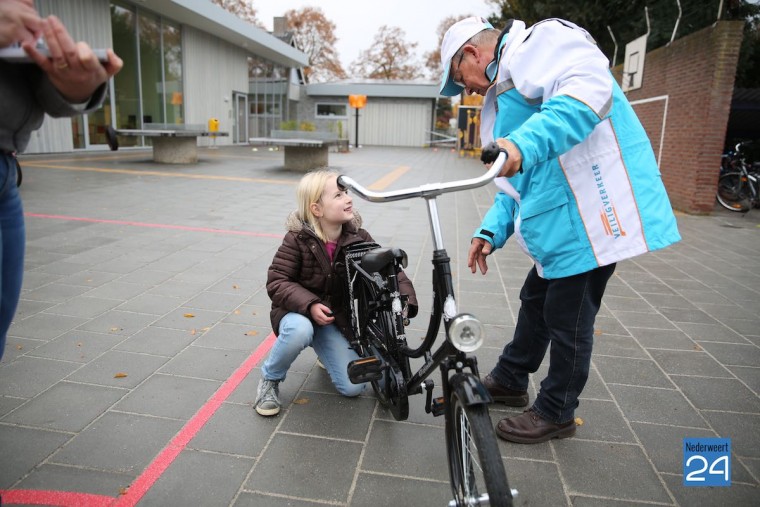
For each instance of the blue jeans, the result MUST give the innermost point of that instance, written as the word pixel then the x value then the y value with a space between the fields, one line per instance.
pixel 560 312
pixel 298 332
pixel 12 238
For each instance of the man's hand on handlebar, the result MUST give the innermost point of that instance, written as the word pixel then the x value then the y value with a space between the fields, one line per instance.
pixel 479 250
pixel 514 157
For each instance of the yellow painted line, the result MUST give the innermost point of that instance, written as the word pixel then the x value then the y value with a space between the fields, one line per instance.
pixel 378 185
pixel 123 155
pixel 120 156
pixel 389 178
pixel 160 173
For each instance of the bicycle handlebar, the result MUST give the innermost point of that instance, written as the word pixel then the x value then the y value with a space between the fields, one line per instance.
pixel 427 190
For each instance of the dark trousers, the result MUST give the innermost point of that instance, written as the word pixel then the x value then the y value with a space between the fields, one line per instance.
pixel 12 237
pixel 560 312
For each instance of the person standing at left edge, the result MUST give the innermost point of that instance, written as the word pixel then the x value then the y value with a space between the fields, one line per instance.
pixel 580 191
pixel 69 82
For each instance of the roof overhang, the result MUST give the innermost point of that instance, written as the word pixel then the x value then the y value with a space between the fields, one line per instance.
pixel 376 88
pixel 210 18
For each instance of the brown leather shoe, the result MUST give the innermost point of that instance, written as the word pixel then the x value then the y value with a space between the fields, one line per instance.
pixel 503 395
pixel 530 428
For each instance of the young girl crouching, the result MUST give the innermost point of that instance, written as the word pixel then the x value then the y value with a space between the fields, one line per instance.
pixel 309 296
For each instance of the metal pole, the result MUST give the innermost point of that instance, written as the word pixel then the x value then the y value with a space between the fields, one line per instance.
pixel 614 55
pixel 356 141
pixel 675 28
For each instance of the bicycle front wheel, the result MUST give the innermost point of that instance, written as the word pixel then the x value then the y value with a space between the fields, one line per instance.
pixel 733 192
pixel 477 471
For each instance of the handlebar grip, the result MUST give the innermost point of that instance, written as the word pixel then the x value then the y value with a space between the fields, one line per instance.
pixel 490 152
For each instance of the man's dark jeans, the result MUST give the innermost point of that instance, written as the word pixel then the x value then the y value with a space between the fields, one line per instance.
pixel 561 312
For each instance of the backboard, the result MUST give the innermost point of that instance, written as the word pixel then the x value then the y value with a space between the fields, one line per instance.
pixel 633 67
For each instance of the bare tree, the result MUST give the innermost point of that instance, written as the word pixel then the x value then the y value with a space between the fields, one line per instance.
pixel 240 8
pixel 313 34
pixel 433 58
pixel 390 57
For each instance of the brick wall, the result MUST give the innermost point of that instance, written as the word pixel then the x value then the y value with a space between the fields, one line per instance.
pixel 696 73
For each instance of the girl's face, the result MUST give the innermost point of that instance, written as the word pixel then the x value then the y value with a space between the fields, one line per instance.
pixel 335 206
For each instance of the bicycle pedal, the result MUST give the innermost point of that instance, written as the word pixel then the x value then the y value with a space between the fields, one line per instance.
pixel 365 369
pixel 438 406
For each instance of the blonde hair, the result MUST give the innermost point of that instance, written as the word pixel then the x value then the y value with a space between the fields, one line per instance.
pixel 310 190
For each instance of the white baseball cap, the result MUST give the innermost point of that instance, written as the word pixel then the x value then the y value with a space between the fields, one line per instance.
pixel 456 37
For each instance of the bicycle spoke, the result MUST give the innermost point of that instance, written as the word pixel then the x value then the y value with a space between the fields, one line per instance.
pixel 469 461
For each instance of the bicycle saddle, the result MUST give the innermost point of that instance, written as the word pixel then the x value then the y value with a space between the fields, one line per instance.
pixel 379 258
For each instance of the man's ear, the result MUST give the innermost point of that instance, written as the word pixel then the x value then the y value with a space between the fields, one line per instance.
pixel 474 50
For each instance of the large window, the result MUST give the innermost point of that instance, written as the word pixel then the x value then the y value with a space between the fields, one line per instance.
pixel 126 81
pixel 151 69
pixel 268 97
pixel 148 89
pixel 333 111
pixel 174 101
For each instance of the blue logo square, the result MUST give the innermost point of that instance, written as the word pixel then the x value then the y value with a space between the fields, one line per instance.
pixel 706 461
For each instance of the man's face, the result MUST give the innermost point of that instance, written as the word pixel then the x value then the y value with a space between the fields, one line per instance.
pixel 468 69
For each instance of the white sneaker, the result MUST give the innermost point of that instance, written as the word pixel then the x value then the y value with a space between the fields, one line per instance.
pixel 319 363
pixel 267 398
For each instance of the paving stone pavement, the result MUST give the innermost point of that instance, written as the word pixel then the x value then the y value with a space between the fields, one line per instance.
pixel 131 367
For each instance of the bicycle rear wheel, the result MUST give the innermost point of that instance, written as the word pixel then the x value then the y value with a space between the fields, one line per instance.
pixel 378 326
pixel 477 471
pixel 733 192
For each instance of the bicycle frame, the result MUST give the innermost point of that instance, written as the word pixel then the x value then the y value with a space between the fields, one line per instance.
pixel 447 356
pixel 471 445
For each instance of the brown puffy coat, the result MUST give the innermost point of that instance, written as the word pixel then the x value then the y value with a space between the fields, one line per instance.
pixel 301 274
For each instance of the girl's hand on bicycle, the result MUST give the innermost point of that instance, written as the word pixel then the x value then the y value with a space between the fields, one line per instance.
pixel 321 314
pixel 479 250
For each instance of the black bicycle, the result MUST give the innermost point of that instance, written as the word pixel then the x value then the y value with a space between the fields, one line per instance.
pixel 378 319
pixel 739 182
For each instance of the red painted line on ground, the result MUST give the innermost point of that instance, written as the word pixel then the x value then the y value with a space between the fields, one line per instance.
pixel 156 226
pixel 63 498
pixel 160 463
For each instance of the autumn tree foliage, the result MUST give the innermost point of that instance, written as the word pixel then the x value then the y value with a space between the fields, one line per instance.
pixel 390 57
pixel 313 34
pixel 240 8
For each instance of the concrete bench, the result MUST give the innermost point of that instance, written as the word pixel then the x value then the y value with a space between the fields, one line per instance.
pixel 304 151
pixel 172 144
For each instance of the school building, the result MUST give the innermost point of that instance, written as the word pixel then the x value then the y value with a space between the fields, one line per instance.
pixel 188 61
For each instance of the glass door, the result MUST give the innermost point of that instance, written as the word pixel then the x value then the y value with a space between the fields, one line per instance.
pixel 240 129
pixel 89 130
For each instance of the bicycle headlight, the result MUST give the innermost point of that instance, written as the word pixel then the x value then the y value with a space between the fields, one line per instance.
pixel 466 333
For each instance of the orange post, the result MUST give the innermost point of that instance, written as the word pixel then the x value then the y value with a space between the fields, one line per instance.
pixel 357 102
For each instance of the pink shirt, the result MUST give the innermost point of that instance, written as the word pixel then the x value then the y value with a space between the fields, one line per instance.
pixel 331 247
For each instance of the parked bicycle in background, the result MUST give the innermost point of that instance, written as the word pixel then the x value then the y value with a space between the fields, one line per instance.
pixel 739 181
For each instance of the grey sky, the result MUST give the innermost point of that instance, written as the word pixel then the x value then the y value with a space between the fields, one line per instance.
pixel 357 23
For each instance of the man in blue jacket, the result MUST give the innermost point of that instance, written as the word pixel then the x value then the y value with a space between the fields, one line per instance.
pixel 580 191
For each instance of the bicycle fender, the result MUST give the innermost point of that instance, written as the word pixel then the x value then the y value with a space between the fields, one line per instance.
pixel 470 389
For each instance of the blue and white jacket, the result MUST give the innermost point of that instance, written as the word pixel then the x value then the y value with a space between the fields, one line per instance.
pixel 590 192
